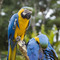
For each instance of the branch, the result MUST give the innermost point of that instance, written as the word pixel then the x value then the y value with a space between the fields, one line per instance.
pixel 23 50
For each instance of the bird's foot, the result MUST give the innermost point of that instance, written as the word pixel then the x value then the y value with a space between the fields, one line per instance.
pixel 18 38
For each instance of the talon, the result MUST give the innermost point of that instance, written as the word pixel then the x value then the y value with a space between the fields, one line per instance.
pixel 18 38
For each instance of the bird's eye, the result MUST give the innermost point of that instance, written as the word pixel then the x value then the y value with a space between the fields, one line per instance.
pixel 27 15
pixel 22 15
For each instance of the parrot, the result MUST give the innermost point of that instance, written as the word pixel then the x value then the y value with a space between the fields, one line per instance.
pixel 18 24
pixel 39 48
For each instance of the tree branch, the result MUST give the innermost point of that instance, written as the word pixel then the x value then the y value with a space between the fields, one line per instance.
pixel 23 50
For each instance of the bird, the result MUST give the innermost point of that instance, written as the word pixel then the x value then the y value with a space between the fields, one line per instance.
pixel 39 48
pixel 18 25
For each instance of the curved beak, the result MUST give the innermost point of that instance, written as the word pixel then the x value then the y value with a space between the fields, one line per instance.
pixel 27 11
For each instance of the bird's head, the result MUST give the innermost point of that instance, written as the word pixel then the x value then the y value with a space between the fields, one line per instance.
pixel 25 12
pixel 42 40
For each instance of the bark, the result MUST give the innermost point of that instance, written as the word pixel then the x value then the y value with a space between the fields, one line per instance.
pixel 23 50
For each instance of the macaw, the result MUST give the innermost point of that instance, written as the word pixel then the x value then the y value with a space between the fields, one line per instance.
pixel 17 27
pixel 39 48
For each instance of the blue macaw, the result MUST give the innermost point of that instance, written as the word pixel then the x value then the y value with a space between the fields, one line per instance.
pixel 39 48
pixel 17 27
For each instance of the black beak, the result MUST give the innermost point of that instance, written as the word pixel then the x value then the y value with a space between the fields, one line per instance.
pixel 26 14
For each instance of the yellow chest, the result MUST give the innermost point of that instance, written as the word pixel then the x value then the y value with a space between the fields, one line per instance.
pixel 23 23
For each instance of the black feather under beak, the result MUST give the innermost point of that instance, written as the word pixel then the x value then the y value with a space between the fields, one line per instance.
pixel 26 14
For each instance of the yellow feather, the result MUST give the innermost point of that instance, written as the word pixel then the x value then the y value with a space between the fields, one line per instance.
pixel 23 23
pixel 37 39
pixel 12 54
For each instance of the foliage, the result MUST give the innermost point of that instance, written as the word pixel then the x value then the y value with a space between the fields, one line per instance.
pixel 43 29
pixel 26 38
pixel 4 56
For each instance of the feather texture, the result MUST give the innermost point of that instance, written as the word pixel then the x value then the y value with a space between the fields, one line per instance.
pixel 36 52
pixel 17 27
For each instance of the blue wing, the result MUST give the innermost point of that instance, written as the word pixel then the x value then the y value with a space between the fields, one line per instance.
pixel 11 31
pixel 32 49
pixel 11 25
pixel 50 53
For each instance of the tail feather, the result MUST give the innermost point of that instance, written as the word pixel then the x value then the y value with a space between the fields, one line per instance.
pixel 11 53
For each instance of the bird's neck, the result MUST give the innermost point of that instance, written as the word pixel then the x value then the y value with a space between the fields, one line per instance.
pixel 37 39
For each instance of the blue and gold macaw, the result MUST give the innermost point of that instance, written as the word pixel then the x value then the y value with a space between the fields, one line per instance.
pixel 17 27
pixel 39 48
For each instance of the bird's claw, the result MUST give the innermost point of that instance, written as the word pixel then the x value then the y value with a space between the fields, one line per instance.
pixel 18 38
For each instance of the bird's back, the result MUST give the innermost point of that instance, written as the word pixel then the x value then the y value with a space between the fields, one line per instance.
pixel 33 51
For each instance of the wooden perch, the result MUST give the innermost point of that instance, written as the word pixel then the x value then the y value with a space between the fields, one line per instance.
pixel 23 50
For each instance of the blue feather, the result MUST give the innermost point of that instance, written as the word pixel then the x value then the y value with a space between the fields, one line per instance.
pixel 11 31
pixel 33 49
